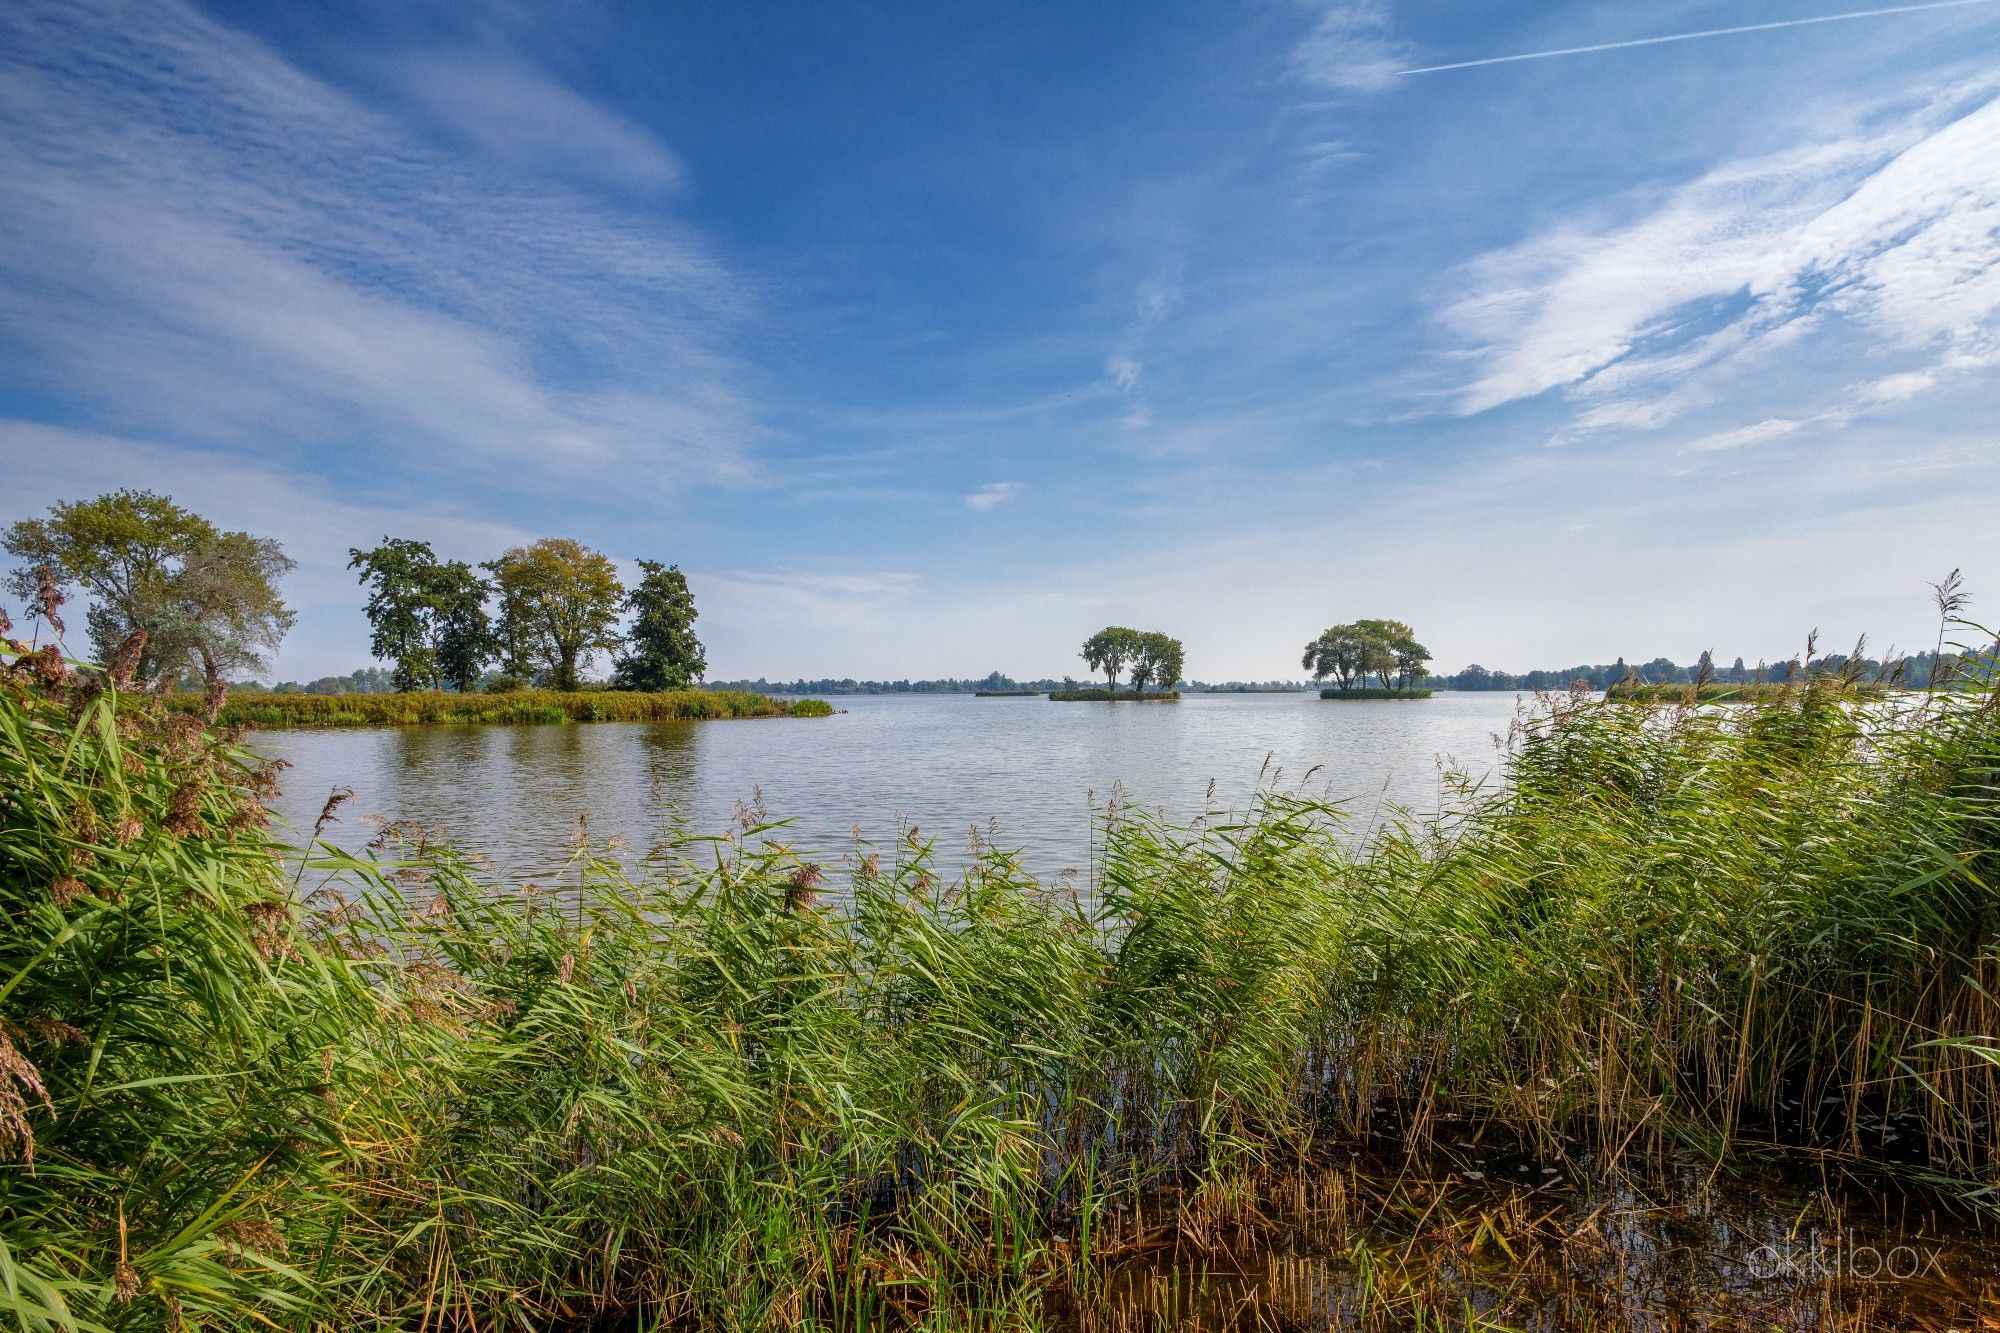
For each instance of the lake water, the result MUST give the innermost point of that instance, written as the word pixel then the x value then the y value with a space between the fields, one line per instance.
pixel 1028 773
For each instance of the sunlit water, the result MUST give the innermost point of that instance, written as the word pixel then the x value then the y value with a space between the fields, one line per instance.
pixel 1026 772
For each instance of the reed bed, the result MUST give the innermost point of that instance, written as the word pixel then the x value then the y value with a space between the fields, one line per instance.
pixel 513 707
pixel 751 1089
pixel 1739 692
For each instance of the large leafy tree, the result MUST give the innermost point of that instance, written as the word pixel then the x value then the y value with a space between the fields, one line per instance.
pixel 1340 652
pixel 1109 650
pixel 559 607
pixel 1159 660
pixel 223 615
pixel 464 634
pixel 663 652
pixel 207 599
pixel 428 615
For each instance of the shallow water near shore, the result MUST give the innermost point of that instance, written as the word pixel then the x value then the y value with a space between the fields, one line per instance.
pixel 1478 1238
pixel 1027 774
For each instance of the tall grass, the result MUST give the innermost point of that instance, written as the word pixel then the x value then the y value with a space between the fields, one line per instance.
pixel 744 1092
pixel 426 707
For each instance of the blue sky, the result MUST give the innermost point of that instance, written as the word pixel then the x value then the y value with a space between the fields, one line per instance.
pixel 930 338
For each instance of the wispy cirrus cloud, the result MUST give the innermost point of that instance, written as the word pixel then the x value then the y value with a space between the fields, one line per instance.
pixel 203 241
pixel 525 118
pixel 1351 48
pixel 1884 243
pixel 993 494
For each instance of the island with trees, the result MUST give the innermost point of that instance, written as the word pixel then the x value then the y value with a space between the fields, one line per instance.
pixel 1384 651
pixel 1151 657
pixel 183 606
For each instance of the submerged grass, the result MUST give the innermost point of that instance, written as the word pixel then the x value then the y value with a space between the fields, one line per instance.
pixel 429 707
pixel 735 1095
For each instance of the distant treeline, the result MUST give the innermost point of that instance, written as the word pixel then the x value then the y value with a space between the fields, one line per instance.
pixel 1660 671
pixel 368 680
pixel 1915 670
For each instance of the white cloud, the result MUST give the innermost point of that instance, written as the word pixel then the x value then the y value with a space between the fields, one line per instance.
pixel 1891 238
pixel 521 116
pixel 1351 48
pixel 1776 428
pixel 1124 372
pixel 993 494
pixel 1896 388
pixel 201 240
pixel 1152 303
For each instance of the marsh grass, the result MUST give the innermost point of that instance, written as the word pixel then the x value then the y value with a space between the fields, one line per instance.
pixel 1750 692
pixel 750 1090
pixel 432 707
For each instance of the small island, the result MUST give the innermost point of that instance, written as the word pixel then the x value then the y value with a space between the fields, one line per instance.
pixel 1375 692
pixel 1386 650
pixel 1154 659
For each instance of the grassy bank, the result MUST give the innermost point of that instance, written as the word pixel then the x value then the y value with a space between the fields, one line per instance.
pixel 1375 692
pixel 744 1094
pixel 1121 696
pixel 431 707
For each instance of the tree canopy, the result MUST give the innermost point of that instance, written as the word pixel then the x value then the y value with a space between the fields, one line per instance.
pixel 1158 660
pixel 1385 649
pixel 1155 658
pixel 663 652
pixel 1109 650
pixel 207 599
pixel 429 616
pixel 559 607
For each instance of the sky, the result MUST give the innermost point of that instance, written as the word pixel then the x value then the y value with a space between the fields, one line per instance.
pixel 928 339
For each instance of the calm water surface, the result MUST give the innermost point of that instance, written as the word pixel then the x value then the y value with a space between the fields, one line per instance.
pixel 1027 772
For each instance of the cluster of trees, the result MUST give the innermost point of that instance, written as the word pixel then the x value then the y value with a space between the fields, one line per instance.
pixel 191 604
pixel 555 605
pixel 206 599
pixel 1385 649
pixel 1153 658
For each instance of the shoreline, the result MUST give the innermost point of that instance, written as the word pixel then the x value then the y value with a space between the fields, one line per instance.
pixel 427 708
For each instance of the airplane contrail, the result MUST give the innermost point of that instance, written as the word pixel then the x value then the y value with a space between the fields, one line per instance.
pixel 1695 36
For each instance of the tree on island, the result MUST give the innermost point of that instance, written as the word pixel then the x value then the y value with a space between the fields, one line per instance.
pixel 429 616
pixel 665 654
pixel 1385 649
pixel 1157 660
pixel 207 599
pixel 1109 650
pixel 1339 652
pixel 1394 656
pixel 559 607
